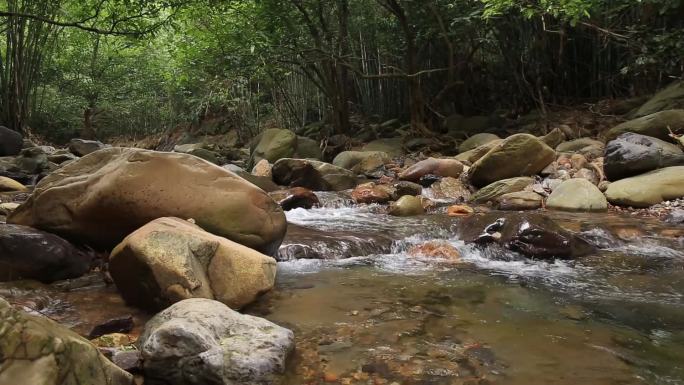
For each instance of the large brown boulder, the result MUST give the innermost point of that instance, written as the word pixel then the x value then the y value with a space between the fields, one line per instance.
pixel 170 259
pixel 517 155
pixel 104 196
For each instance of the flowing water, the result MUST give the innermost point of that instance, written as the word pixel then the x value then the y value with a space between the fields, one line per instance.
pixel 366 310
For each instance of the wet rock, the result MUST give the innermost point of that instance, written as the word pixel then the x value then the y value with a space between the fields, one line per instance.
pixel 170 259
pixel 520 200
pixel 407 188
pixel 590 148
pixel 533 235
pixel 11 142
pixel 517 155
pixel 553 138
pixel 477 140
pixel 307 243
pixel 372 193
pixel 37 350
pixel 392 146
pixel 262 168
pixel 200 341
pixel 82 147
pixel 657 125
pixel 314 175
pixel 406 206
pixel 436 249
pixel 648 189
pixel 274 144
pixel 124 188
pixel 296 197
pixel 10 185
pixel 27 253
pixel 459 210
pixel 633 154
pixel 114 325
pixel 669 98
pixel 442 167
pixel 493 191
pixel 451 188
pixel 471 156
pixel 577 194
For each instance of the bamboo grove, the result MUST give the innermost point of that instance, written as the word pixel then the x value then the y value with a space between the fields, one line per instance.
pixel 123 67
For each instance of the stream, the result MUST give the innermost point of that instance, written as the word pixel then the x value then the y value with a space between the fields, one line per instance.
pixel 366 311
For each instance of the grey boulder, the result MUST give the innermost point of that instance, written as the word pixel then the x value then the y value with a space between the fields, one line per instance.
pixel 203 342
pixel 633 154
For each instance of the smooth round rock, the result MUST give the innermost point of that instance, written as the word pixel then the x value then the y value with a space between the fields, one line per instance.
pixel 577 194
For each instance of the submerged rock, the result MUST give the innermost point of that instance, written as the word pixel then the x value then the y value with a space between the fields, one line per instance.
pixel 38 351
pixel 103 197
pixel 170 259
pixel 203 342
pixel 577 194
pixel 633 154
pixel 517 155
pixel 27 253
pixel 648 189
pixel 533 235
